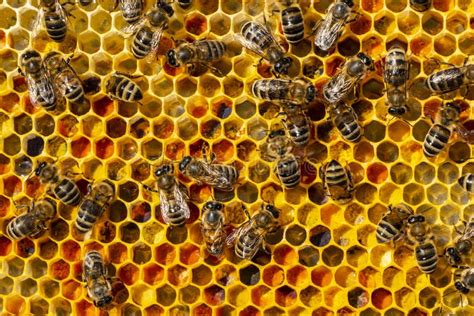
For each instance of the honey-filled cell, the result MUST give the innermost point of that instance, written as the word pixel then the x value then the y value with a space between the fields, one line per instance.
pixel 324 256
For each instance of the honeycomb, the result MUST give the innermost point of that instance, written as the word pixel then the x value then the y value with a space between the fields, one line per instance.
pixel 324 260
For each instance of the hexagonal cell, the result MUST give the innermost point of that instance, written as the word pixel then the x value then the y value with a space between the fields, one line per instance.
pixel 432 22
pixel 408 22
pixel 187 128
pixel 250 275
pixel 348 46
pixel 116 127
pixel 15 304
pixel 101 21
pixel 6 285
pixel 89 42
pixel 332 256
pixel 358 297
pixel 49 288
pixel 437 194
pixel 129 232
pixel 445 45
pixel 465 43
pixel 321 276
pixel 424 173
pixel 128 274
pixel 59 270
pixel 384 23
pixel 11 145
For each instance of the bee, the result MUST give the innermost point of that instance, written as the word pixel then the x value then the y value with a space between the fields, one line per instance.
pixel 419 233
pixel 462 246
pixel 467 182
pixel 63 188
pixel 450 79
pixel 185 4
pixel 120 87
pixel 64 77
pixel 292 24
pixel 392 225
pixel 345 120
pixel 200 52
pixel 339 86
pixel 287 167
pixel 257 38
pixel 248 238
pixel 329 30
pixel 293 92
pixel 97 281
pixel 55 19
pixel 219 176
pixel 146 39
pixel 297 124
pixel 337 182
pixel 174 209
pixel 33 222
pixel 40 86
pixel 439 133
pixel 396 72
pixel 212 227
pixel 420 5
pixel 93 205
pixel 464 280
pixel 132 10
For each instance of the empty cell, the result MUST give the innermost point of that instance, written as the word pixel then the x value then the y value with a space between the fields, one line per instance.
pixel 39 306
pixel 15 304
pixel 408 22
pixel 432 23
pixel 59 229
pixel 374 131
pixel 129 232
pixel 384 23
pixel 250 275
pixel 401 173
pixel 459 152
pixel 466 43
pixel 349 46
pixel 332 256
pixel 285 296
pixel 321 276
pixel 358 297
pixel 6 285
pixel 445 45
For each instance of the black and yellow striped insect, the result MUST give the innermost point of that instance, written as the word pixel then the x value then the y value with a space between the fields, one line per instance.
pixel 120 86
pixel 392 225
pixel 33 222
pixel 466 181
pixel 419 234
pixel 337 181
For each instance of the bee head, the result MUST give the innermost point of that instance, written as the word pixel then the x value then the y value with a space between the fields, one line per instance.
pixel 366 60
pixel 165 169
pixel 416 219
pixel 276 133
pixel 273 210
pixel 171 58
pixel 184 163
pixel 40 168
pixel 103 301
pixel 310 93
pixel 156 17
pixel 164 5
pixel 451 251
pixel 461 287
pixel 282 65
pixel 454 106
pixel 397 110
pixel 213 205
pixel 350 3
pixel 30 61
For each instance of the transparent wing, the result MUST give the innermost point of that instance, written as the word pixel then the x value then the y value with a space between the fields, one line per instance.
pixel 328 32
pixel 250 46
pixel 61 11
pixel 342 83
pixel 230 239
pixel 134 27
pixel 35 95
pixel 213 177
pixel 181 201
pixel 165 207
pixel 155 44
pixel 467 135
pixel 37 23
pixel 256 246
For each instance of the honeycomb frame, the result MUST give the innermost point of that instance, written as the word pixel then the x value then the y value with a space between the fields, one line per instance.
pixel 325 258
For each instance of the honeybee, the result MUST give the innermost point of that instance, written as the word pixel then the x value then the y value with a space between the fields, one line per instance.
pixel 297 124
pixel 93 205
pixel 40 86
pixel 345 120
pixel 329 30
pixel 339 86
pixel 464 280
pixel 257 38
pixel 450 79
pixel 64 77
pixel 293 92
pixel 467 182
pixel 212 227
pixel 63 188
pixel 200 52
pixel 97 281
pixel 439 133
pixel 392 225
pixel 396 72
pixel 287 167
pixel 292 22
pixel 462 246
pixel 185 4
pixel 55 19
pixel 419 233
pixel 250 234
pixel 420 5
pixel 146 39
pixel 219 176
pixel 120 87
pixel 33 222
pixel 337 181
pixel 174 209
pixel 132 10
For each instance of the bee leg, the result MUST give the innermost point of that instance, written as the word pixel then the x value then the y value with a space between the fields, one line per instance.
pixel 354 17
pixel 128 75
pixel 244 208
pixel 21 72
pixel 71 174
pixel 148 188
pixel 116 3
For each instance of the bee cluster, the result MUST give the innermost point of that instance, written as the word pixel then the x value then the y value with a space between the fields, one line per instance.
pixel 237 213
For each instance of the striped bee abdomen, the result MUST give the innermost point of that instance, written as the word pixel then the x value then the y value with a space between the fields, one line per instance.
pixel 210 50
pixel 436 140
pixel 426 257
pixel 141 45
pixel 87 216
pixel 293 24
pixel 467 182
pixel 23 226
pixel 288 171
pixel 445 80
pixel 387 231
pixel 255 33
pixel 348 126
pixel 55 26
pixel 270 89
pixel 67 192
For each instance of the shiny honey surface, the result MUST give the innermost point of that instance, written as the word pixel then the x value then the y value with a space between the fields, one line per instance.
pixel 325 259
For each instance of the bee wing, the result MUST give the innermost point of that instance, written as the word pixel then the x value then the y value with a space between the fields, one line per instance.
pixel 134 27
pixel 61 11
pixel 328 31
pixel 250 45
pixel 213 177
pixel 155 44
pixel 165 207
pixel 256 246
pixel 230 239
pixel 467 135
pixel 181 200
pixel 37 23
